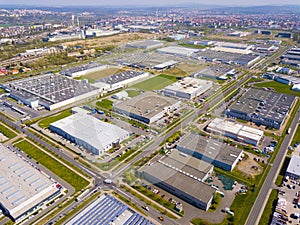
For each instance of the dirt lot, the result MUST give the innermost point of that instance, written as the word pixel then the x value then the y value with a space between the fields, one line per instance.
pixel 110 40
pixel 103 73
pixel 185 69
pixel 250 167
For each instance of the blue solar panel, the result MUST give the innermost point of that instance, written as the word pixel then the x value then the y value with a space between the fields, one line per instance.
pixel 108 210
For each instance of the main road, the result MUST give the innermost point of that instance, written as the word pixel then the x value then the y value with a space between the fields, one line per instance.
pixel 259 205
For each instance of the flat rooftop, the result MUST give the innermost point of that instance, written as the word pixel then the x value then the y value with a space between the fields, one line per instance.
pixel 22 184
pixel 265 104
pixel 214 71
pixel 178 50
pixel 49 88
pixel 80 68
pixel 85 127
pixel 145 44
pixel 187 183
pixel 190 85
pixel 210 148
pixel 187 163
pixel 228 57
pixel 147 104
pixel 294 165
pixel 108 210
pixel 119 77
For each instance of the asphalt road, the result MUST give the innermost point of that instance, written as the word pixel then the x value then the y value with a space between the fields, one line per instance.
pixel 257 209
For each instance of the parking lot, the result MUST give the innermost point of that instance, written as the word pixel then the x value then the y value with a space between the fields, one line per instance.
pixel 290 192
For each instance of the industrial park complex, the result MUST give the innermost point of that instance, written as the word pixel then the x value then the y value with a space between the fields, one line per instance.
pixel 143 116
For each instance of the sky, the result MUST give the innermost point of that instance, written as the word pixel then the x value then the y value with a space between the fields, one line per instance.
pixel 147 2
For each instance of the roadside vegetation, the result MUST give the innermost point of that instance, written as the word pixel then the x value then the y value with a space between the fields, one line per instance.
pixel 60 170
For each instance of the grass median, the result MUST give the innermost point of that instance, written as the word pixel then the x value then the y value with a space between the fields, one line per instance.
pixel 60 170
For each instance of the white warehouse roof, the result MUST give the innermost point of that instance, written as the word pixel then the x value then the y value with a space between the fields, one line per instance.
pixel 22 186
pixel 240 132
pixel 176 50
pixel 294 165
pixel 90 130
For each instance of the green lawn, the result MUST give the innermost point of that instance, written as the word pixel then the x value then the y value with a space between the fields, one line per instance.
pixel 282 172
pixel 7 132
pixel 270 206
pixel 60 170
pixel 296 137
pixel 132 93
pixel 156 83
pixel 105 104
pixel 279 87
pixel 45 123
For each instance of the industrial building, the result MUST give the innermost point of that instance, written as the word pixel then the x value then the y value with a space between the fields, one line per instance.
pixel 146 44
pixel 89 132
pixel 262 107
pixel 165 65
pixel 24 188
pixel 120 80
pixel 236 131
pixel 293 170
pixel 210 150
pixel 292 57
pixel 147 107
pixel 50 90
pixel 187 88
pixel 181 179
pixel 232 47
pixel 217 72
pixel 83 69
pixel 177 50
pixel 228 58
pixel 108 210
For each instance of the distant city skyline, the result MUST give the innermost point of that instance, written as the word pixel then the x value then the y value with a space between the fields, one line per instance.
pixel 143 3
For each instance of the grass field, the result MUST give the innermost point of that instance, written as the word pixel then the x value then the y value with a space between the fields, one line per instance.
pixel 279 87
pixel 7 131
pixel 132 93
pixel 105 104
pixel 92 77
pixel 60 170
pixel 296 137
pixel 156 83
pixel 45 123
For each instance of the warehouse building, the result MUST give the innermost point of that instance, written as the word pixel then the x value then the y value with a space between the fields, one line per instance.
pixel 51 91
pixel 83 69
pixel 216 72
pixel 212 151
pixel 146 44
pixel 23 187
pixel 89 132
pixel 262 107
pixel 147 107
pixel 180 180
pixel 177 50
pixel 236 131
pixel 293 170
pixel 292 57
pixel 165 65
pixel 187 88
pixel 228 58
pixel 108 210
pixel 120 80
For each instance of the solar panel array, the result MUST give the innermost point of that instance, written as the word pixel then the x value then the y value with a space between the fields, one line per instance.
pixel 106 211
